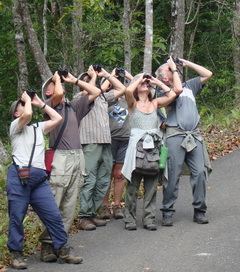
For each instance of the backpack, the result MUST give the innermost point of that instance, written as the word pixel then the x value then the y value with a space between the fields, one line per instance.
pixel 147 159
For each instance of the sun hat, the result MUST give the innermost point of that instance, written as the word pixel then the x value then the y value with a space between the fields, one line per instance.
pixel 44 88
pixel 13 108
pixel 152 89
pixel 80 77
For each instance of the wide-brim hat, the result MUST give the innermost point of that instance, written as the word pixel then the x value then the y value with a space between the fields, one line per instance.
pixel 80 77
pixel 44 88
pixel 152 89
pixel 13 108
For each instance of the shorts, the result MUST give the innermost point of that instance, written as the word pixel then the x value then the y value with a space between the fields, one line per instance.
pixel 119 149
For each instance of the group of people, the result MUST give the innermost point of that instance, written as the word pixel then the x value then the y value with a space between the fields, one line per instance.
pixel 97 134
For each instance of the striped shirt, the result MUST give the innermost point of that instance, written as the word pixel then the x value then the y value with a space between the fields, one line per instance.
pixel 94 127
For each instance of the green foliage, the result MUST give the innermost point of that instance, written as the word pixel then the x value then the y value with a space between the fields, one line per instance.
pixel 104 43
pixel 220 118
pixel 3 215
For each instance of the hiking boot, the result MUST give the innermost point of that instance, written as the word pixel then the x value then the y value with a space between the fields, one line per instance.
pixel 117 212
pixel 130 226
pixel 47 253
pixel 151 226
pixel 105 214
pixel 167 220
pixel 18 261
pixel 200 217
pixel 65 257
pixel 86 224
pixel 98 222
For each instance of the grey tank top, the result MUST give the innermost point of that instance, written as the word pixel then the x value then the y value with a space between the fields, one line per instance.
pixel 143 120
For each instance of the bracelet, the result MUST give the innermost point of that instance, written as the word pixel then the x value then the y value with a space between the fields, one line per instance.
pixel 43 107
pixel 173 71
pixel 108 76
pixel 76 83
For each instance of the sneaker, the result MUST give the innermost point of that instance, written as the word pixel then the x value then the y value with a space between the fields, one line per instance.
pixel 200 217
pixel 151 226
pixel 98 222
pixel 105 214
pixel 65 257
pixel 47 253
pixel 85 224
pixel 117 212
pixel 18 261
pixel 167 220
pixel 130 226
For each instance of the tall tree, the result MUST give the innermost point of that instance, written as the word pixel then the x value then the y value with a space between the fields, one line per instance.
pixel 45 49
pixel 178 28
pixel 40 59
pixel 147 65
pixel 77 36
pixel 20 46
pixel 127 38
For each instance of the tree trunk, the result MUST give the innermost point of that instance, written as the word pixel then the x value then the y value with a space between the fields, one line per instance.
pixel 127 38
pixel 77 36
pixel 45 49
pixel 20 46
pixel 147 66
pixel 178 28
pixel 236 49
pixel 40 59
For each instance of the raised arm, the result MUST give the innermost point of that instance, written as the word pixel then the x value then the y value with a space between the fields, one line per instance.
pixel 118 87
pixel 26 115
pixel 131 101
pixel 55 118
pixel 203 72
pixel 176 81
pixel 58 92
pixel 92 91
pixel 93 75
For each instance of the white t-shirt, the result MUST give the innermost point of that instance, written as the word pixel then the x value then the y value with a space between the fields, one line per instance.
pixel 22 144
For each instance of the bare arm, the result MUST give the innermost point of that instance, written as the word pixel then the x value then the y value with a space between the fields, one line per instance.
pixel 58 90
pixel 129 93
pixel 128 75
pixel 170 94
pixel 203 72
pixel 93 75
pixel 26 115
pixel 92 91
pixel 177 83
pixel 165 100
pixel 119 88
pixel 55 118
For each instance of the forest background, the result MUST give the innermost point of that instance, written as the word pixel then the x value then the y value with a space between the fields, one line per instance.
pixel 39 36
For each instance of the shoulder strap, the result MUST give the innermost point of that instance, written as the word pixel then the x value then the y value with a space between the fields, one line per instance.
pixel 34 145
pixel 62 128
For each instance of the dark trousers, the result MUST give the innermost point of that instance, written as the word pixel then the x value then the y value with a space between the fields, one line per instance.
pixel 38 194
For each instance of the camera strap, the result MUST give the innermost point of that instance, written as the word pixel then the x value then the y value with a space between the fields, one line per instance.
pixel 62 128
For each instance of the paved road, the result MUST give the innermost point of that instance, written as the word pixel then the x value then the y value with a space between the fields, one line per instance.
pixel 185 247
